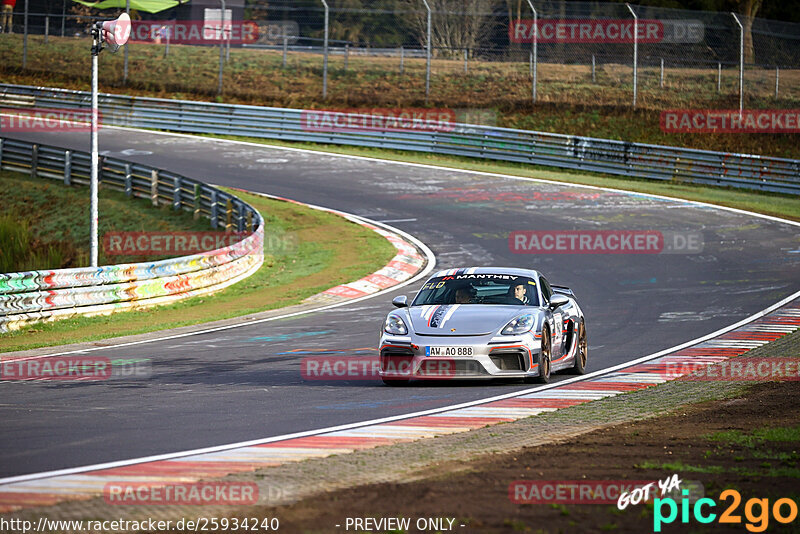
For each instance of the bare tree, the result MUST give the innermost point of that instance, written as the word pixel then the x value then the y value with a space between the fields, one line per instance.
pixel 749 8
pixel 455 24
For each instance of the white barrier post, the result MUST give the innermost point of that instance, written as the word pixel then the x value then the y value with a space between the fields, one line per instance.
pixel 635 51
pixel 325 54
pixel 534 59
pixel 741 64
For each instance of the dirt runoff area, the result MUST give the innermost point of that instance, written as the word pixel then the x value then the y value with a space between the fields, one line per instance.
pixel 748 444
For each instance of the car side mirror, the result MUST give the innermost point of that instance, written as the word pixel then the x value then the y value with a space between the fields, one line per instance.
pixel 557 300
pixel 400 301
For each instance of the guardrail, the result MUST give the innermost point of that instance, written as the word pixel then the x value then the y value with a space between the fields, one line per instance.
pixel 27 297
pixel 538 148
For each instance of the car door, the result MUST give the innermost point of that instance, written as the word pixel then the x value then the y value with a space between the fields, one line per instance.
pixel 557 318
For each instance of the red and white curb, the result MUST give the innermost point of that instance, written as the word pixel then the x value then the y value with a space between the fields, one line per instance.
pixel 407 263
pixel 85 483
pixel 403 266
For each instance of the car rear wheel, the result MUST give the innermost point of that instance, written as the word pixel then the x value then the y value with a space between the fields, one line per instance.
pixel 543 360
pixel 582 351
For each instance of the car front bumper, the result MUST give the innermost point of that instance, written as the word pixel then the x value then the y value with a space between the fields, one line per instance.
pixel 406 357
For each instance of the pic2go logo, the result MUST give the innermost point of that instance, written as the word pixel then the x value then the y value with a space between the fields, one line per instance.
pixel 756 511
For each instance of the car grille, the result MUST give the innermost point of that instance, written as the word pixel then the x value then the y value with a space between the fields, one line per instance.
pixel 396 359
pixel 450 368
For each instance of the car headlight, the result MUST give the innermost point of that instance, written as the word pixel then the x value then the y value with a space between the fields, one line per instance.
pixel 395 325
pixel 520 325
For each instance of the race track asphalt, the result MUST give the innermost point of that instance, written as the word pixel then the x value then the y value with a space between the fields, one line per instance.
pixel 245 383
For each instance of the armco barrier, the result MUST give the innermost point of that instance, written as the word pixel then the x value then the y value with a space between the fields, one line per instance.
pixel 539 148
pixel 27 297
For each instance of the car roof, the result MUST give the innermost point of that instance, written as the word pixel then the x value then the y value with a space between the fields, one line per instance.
pixel 487 270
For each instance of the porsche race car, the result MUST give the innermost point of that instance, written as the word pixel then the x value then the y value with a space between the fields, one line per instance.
pixel 484 323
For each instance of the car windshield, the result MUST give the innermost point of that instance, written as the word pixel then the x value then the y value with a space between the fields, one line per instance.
pixel 479 289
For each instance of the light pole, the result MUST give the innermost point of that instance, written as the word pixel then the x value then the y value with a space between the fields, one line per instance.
pixel 115 33
pixel 221 47
pixel 428 55
pixel 125 59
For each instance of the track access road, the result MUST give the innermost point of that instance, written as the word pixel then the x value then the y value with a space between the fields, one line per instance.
pixel 245 383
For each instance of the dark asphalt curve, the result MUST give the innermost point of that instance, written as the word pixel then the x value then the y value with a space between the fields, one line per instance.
pixel 245 383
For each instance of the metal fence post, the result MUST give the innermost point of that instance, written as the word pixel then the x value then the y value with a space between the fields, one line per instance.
pixel 346 55
pixel 239 217
pixel 593 77
pixel 427 54
pixel 285 49
pixel 46 28
pixel 661 80
pixel 128 181
pixel 534 59
pixel 741 64
pixel 325 54
pixel 466 56
pixel 197 198
pixel 221 47
pixel 167 31
pixel 214 208
pixel 34 160
pixel 228 215
pixel 68 167
pixel 402 58
pixel 176 194
pixel 154 187
pixel 777 77
pixel 635 51
pixel 530 64
pixel 25 37
pixel 63 17
pixel 719 77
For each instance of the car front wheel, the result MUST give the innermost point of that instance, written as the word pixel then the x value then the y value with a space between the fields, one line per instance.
pixel 543 360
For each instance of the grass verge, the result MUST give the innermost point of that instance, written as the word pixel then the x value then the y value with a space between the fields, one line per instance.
pixel 45 225
pixel 327 250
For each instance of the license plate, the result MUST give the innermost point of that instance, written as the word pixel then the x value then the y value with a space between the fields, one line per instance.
pixel 448 351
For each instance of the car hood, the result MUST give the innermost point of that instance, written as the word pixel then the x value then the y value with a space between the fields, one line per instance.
pixel 463 319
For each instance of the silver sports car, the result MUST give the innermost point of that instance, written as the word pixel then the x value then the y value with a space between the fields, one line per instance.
pixel 484 322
